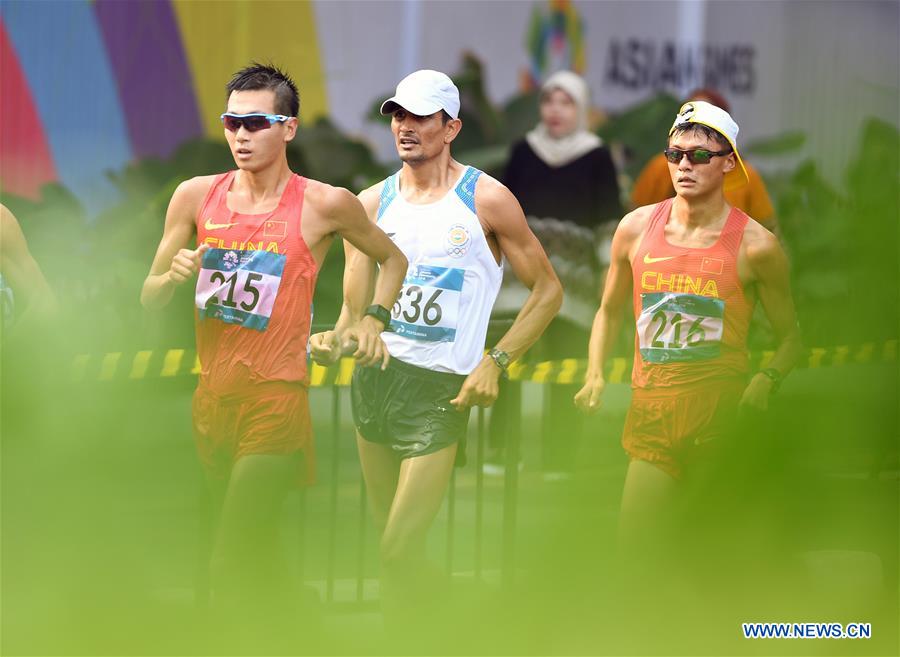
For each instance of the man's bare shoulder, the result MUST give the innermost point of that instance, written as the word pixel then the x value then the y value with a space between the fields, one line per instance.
pixel 188 198
pixel 634 223
pixel 326 199
pixel 11 238
pixel 759 244
pixel 7 218
pixel 370 198
pixel 491 194
pixel 497 208
pixel 195 188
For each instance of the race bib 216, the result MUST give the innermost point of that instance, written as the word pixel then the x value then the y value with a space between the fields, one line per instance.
pixel 680 327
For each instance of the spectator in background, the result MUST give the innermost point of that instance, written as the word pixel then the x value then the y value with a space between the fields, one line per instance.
pixel 561 169
pixel 566 182
pixel 654 184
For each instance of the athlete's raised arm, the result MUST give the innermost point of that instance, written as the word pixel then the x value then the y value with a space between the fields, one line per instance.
pixel 23 273
pixel 504 221
pixel 608 320
pixel 769 270
pixel 174 262
pixel 327 347
pixel 345 215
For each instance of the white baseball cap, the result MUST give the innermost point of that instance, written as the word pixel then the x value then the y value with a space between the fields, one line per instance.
pixel 423 93
pixel 699 111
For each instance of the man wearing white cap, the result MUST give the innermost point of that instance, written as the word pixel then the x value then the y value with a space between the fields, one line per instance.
pixel 454 224
pixel 695 267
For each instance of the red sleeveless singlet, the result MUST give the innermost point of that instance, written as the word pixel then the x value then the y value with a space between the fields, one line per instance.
pixel 689 304
pixel 254 291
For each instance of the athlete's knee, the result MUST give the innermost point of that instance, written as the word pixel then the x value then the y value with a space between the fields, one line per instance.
pixel 221 567
pixel 397 549
pixel 392 552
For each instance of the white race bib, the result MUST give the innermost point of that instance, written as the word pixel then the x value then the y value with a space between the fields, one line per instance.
pixel 428 306
pixel 239 287
pixel 679 327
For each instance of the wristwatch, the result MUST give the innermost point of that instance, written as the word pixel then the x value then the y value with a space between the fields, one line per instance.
pixel 775 376
pixel 380 313
pixel 502 360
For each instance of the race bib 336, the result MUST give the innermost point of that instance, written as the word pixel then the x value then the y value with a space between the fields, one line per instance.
pixel 428 306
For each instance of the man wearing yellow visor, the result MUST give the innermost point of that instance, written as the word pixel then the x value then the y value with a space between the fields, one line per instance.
pixel 654 183
pixel 694 267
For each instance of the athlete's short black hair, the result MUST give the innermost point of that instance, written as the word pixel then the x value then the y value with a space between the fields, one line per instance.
pixel 267 76
pixel 445 118
pixel 704 130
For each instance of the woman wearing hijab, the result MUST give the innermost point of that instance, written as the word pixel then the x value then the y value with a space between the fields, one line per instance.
pixel 561 169
pixel 565 180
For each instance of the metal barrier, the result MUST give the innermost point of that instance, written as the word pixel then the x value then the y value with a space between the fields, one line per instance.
pixel 145 364
pixel 173 363
pixel 509 508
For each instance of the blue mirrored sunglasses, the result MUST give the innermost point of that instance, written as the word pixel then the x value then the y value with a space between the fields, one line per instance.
pixel 252 122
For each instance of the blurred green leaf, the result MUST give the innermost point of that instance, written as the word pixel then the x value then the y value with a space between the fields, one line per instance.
pixel 642 128
pixel 784 144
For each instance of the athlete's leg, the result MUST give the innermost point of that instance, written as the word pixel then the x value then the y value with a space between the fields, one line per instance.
pixel 211 499
pixel 381 469
pixel 408 580
pixel 648 507
pixel 247 564
pixel 420 491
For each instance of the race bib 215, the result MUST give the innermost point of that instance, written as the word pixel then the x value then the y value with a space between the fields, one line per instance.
pixel 239 287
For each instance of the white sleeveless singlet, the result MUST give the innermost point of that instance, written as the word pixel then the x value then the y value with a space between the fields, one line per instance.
pixel 440 319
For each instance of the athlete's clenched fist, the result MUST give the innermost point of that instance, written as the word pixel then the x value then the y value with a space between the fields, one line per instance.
pixel 186 263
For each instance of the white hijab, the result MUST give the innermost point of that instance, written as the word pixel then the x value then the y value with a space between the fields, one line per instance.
pixel 559 152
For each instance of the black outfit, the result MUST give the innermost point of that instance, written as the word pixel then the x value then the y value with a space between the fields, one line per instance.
pixel 407 408
pixel 584 191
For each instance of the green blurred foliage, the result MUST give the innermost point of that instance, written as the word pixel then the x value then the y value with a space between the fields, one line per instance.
pixel 843 242
pixel 642 130
pixel 783 144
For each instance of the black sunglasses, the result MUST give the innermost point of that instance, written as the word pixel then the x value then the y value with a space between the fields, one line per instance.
pixel 694 155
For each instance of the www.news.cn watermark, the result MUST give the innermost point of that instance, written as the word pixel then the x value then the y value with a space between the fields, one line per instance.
pixel 807 630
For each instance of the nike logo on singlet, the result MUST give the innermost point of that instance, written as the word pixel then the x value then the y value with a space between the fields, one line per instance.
pixel 210 225
pixel 649 261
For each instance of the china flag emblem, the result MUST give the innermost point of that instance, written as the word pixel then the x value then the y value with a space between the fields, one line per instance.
pixel 712 265
pixel 275 229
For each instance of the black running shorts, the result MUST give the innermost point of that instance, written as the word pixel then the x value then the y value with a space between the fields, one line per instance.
pixel 407 408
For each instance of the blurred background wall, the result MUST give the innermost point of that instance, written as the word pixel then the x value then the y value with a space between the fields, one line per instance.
pixel 88 87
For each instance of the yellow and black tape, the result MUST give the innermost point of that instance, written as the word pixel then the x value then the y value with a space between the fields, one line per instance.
pixel 123 366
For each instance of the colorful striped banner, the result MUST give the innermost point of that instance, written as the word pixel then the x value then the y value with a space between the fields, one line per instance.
pixel 25 160
pixel 88 87
pixel 155 87
pixel 63 57
pixel 222 41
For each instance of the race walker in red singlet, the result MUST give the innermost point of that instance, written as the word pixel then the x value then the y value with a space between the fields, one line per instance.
pixel 253 297
pixel 691 311
pixel 690 357
pixel 262 232
pixel 693 267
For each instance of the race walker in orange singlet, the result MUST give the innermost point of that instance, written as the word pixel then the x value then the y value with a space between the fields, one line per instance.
pixel 262 232
pixel 694 268
pixel 253 297
pixel 691 339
